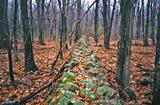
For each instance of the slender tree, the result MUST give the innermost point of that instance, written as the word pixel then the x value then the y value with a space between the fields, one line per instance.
pixel 4 34
pixel 156 88
pixel 1 24
pixel 124 50
pixel 153 18
pixel 77 33
pixel 143 20
pixel 31 20
pixel 16 58
pixel 105 25
pixel 43 18
pixel 39 18
pixel 29 59
pixel 96 22
pixel 7 35
pixel 134 3
pixel 138 22
pixel 147 25
pixel 110 27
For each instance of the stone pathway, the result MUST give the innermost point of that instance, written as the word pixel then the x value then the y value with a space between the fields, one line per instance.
pixel 83 81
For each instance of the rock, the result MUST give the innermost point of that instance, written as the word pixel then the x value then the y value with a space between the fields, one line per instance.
pixel 105 90
pixel 88 93
pixel 112 102
pixel 71 87
pixel 68 77
pixel 89 66
pixel 89 83
pixel 11 102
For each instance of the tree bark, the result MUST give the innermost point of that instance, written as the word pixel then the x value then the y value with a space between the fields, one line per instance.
pixel 143 20
pixel 29 59
pixel 16 58
pixel 110 27
pixel 147 25
pixel 2 39
pixel 138 22
pixel 77 33
pixel 153 18
pixel 124 49
pixel 96 22
pixel 31 21
pixel 156 88
pixel 39 18
pixel 105 25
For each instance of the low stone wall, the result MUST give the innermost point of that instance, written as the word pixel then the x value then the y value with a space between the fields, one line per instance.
pixel 83 81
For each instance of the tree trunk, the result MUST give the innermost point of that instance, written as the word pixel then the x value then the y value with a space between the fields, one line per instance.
pixel 153 18
pixel 6 35
pixel 29 59
pixel 134 3
pixel 138 22
pixel 2 39
pixel 124 49
pixel 147 25
pixel 105 25
pixel 143 20
pixel 96 22
pixel 43 19
pixel 31 20
pixel 156 88
pixel 39 19
pixel 77 33
pixel 110 27
pixel 16 58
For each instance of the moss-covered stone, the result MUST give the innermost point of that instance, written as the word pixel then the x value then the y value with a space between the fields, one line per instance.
pixel 89 83
pixel 89 94
pixel 68 77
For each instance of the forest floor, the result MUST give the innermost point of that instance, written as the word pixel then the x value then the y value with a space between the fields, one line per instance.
pixel 44 56
pixel 142 65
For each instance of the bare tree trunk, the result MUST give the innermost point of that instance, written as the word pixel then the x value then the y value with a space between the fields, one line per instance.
pixel 4 34
pixel 153 18
pixel 110 27
pixel 16 58
pixel 138 22
pixel 7 35
pixel 43 20
pixel 156 88
pixel 143 20
pixel 96 22
pixel 134 3
pixel 105 25
pixel 77 33
pixel 39 19
pixel 31 21
pixel 29 59
pixel 147 25
pixel 124 50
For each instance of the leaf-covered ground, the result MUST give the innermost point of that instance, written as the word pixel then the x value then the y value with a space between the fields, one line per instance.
pixel 83 81
pixel 90 74
pixel 142 66
pixel 27 83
